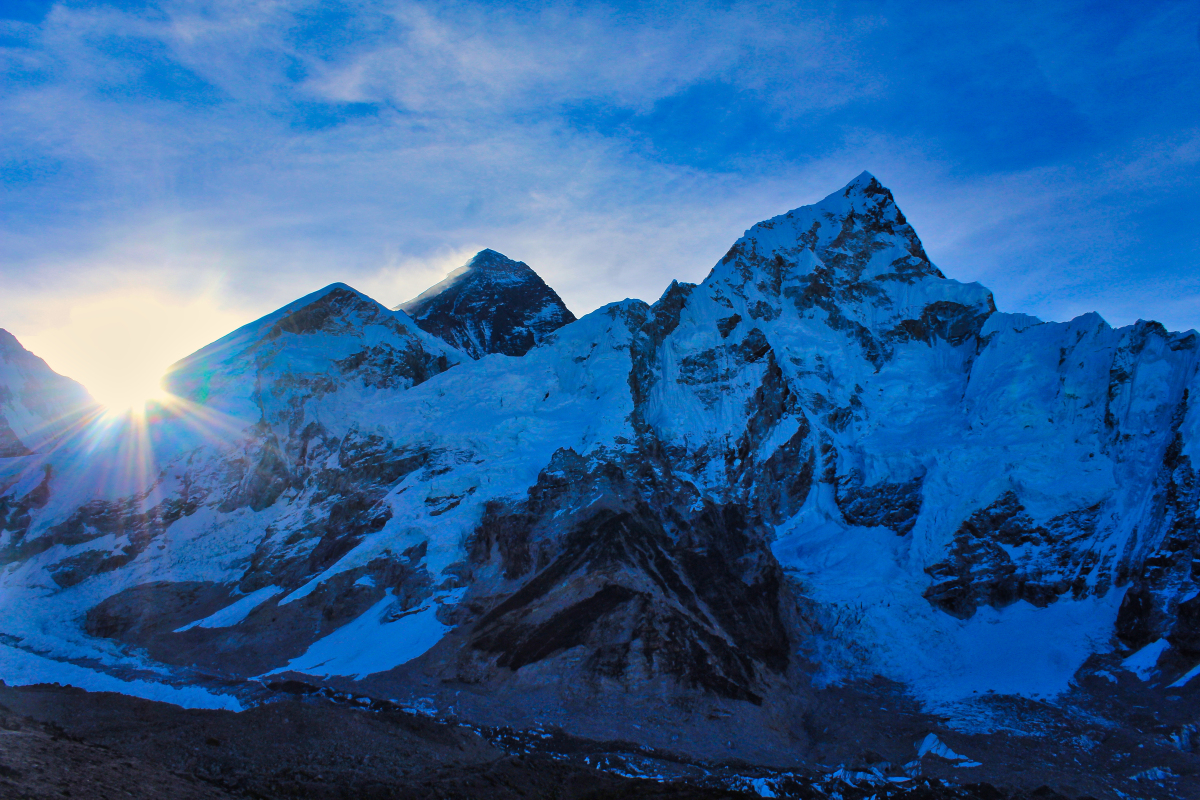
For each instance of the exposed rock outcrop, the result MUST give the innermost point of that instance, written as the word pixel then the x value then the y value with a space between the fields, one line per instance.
pixel 491 304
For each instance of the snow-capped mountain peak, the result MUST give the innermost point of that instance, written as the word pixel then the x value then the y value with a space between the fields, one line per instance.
pixel 857 234
pixel 491 304
pixel 334 337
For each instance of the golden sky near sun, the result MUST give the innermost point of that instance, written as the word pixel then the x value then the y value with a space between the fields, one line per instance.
pixel 119 344
pixel 118 341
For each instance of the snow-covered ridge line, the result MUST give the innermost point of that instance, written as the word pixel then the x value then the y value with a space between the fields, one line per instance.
pixel 826 462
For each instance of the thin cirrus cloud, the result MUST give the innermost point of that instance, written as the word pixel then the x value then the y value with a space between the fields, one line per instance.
pixel 248 152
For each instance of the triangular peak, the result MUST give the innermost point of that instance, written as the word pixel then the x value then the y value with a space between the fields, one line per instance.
pixel 853 262
pixel 263 326
pixel 865 190
pixel 487 265
pixel 8 342
pixel 335 332
pixel 332 290
pixel 492 259
pixel 491 304
pixel 865 182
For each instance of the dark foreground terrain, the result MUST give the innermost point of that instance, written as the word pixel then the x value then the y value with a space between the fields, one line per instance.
pixel 60 742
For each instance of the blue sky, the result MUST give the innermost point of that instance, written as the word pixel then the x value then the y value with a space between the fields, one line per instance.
pixel 249 152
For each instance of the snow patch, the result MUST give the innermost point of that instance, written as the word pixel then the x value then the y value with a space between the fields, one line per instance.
pixel 22 668
pixel 932 745
pixel 1143 662
pixel 372 643
pixel 1155 774
pixel 762 787
pixel 235 612
pixel 1187 676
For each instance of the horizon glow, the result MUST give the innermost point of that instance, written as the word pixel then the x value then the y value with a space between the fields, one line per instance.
pixel 119 345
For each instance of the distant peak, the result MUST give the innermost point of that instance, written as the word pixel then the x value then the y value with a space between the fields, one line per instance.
pixel 332 292
pixel 487 258
pixel 331 288
pixel 486 267
pixel 491 304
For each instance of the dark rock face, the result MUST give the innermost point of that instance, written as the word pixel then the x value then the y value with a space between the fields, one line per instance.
pixel 1185 633
pixel 343 482
pixel 891 505
pixel 980 569
pixel 943 320
pixel 491 304
pixel 645 591
pixel 1136 623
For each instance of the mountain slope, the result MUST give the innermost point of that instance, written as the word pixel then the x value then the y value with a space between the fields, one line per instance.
pixel 491 304
pixel 37 405
pixel 254 459
pixel 944 457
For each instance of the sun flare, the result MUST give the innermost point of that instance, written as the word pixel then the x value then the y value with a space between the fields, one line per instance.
pixel 120 344
pixel 129 391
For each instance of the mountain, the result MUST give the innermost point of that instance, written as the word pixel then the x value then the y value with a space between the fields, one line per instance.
pixel 491 304
pixel 37 405
pixel 813 510
pixel 269 421
pixel 330 342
